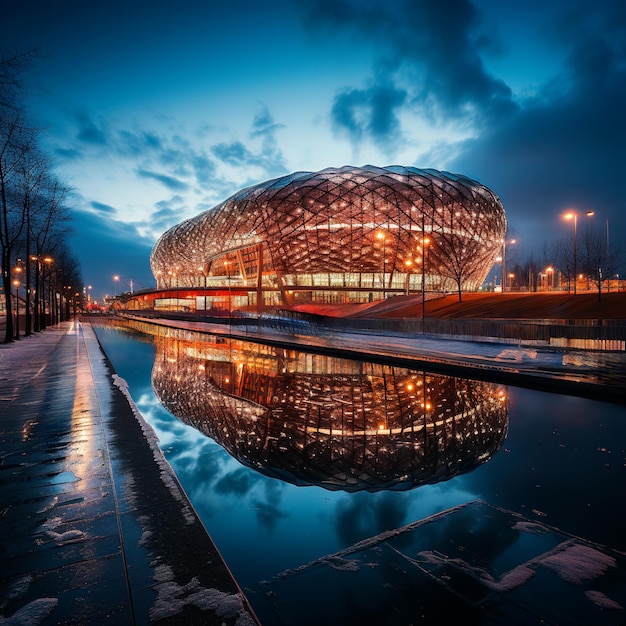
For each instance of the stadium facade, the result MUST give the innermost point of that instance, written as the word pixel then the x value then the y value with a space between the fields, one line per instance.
pixel 340 235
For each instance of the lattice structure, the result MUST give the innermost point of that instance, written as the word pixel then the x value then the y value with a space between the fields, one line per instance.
pixel 313 419
pixel 349 234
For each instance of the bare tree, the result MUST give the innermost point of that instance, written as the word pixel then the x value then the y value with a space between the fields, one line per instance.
pixel 16 139
pixel 564 259
pixel 461 251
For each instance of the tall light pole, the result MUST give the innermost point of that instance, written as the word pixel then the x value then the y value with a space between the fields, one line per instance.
pixel 569 216
pixel 115 281
pixel 16 282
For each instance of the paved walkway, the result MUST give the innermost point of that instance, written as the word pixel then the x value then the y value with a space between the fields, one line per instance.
pixel 94 526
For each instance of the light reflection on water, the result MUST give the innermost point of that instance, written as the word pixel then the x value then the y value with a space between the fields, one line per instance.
pixel 361 437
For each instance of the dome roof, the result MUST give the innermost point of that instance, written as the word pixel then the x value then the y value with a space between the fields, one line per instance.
pixel 348 219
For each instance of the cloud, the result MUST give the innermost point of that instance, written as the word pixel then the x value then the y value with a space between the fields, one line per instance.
pixel 103 208
pixel 140 143
pixel 428 64
pixel 372 112
pixel 256 161
pixel 169 181
pixel 562 148
pixel 90 131
pixel 101 242
pixel 234 153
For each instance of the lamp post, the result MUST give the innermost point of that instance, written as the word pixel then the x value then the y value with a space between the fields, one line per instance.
pixel 569 216
pixel 18 270
pixel 16 282
pixel 116 279
pixel 48 261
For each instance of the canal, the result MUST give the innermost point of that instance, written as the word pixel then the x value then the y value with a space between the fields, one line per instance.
pixel 291 459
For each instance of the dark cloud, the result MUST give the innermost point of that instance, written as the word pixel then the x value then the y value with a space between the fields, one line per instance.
pixel 103 208
pixel 364 515
pixel 90 131
pixel 563 149
pixel 239 482
pixel 68 154
pixel 138 144
pixel 361 113
pixel 264 125
pixel 268 157
pixel 169 181
pixel 429 63
pixel 234 153
pixel 167 214
pixel 101 242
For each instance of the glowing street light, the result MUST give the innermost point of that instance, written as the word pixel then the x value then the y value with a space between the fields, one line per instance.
pixel 571 215
pixel 115 281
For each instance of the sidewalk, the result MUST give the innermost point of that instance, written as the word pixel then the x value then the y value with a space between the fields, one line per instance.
pixel 94 526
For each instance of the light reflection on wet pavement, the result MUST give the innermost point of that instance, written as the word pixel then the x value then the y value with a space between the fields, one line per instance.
pixel 94 526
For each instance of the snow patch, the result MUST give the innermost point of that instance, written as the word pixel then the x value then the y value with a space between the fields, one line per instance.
pixel 16 590
pixel 576 563
pixel 511 580
pixel 530 527
pixel 61 539
pixel 172 598
pixel 167 474
pixel 32 614
pixel 342 565
pixel 602 601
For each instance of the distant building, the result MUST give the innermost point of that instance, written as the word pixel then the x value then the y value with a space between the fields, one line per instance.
pixel 341 235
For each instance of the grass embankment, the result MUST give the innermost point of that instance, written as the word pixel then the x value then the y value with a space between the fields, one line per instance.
pixel 490 306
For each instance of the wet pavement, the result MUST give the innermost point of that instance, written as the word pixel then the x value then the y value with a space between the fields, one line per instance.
pixel 94 526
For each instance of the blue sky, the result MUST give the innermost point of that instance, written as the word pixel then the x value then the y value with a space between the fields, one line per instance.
pixel 155 111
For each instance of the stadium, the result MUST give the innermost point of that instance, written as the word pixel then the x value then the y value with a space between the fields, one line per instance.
pixel 337 236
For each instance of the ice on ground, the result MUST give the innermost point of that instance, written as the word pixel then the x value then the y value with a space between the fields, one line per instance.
pixel 32 614
pixel 172 598
pixel 61 539
pixel 342 565
pixel 576 563
pixel 602 601
pixel 515 578
pixel 531 527
pixel 167 473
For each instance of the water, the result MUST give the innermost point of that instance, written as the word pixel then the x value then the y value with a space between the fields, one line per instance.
pixel 288 457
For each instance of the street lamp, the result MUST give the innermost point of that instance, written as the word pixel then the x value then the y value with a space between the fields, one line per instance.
pixel 115 281
pixel 571 215
pixel 504 242
pixel 16 282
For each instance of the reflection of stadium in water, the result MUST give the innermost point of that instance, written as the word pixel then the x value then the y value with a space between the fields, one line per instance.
pixel 317 420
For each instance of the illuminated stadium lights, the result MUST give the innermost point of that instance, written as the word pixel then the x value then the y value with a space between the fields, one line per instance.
pixel 338 235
